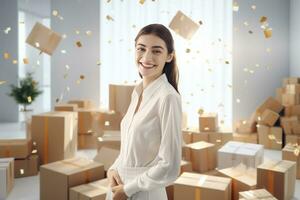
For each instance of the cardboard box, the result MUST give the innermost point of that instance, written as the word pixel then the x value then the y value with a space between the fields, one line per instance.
pixel 288 124
pixel 208 122
pixel 107 156
pixel 183 25
pixel 256 195
pixel 192 186
pixel 220 138
pixel 187 136
pixel 17 148
pixel 278 177
pixel 292 88
pixel 290 80
pixel 66 107
pixel 245 137
pixel 269 118
pixel 43 38
pixel 270 137
pixel 292 139
pixel 6 176
pixel 234 153
pixel 271 104
pixel 192 135
pixel 87 141
pixel 83 103
pixel 120 97
pixel 242 179
pixel 108 121
pixel 290 99
pixel 279 92
pixel 291 152
pixel 202 156
pixel 86 120
pixel 54 134
pixel 58 177
pixel 292 110
pixel 27 167
pixel 92 191
pixel 245 126
pixel 110 139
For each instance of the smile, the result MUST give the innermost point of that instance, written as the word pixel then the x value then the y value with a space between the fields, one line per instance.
pixel 147 66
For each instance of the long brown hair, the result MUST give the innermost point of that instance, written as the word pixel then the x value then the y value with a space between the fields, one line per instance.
pixel 170 68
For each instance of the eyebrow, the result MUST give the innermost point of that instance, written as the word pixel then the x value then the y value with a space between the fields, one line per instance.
pixel 154 47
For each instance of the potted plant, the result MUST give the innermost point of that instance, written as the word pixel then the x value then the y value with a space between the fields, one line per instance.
pixel 26 92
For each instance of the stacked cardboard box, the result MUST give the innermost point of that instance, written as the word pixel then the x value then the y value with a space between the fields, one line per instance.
pixel 6 176
pixel 66 107
pixel 83 103
pixel 292 153
pixel 270 137
pixel 234 153
pixel 16 148
pixel 258 194
pixel 202 155
pixel 208 122
pixel 27 167
pixel 92 191
pixel 192 186
pixel 54 135
pixel 243 179
pixel 58 177
pixel 278 177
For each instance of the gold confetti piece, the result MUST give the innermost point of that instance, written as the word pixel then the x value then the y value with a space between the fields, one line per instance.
pixel 15 62
pixel 67 67
pixel 235 6
pixel 109 18
pixel 187 50
pixel 253 7
pixel 78 81
pixel 246 69
pixel 37 44
pixel 6 31
pixel 68 89
pixel 106 123
pixel 88 33
pixel 2 82
pixel 25 61
pixel 268 32
pixel 55 13
pixel 263 19
pixel 61 17
pixel 238 100
pixel 200 22
pixel 34 151
pixel 200 111
pixel 142 1
pixel 6 56
pixel 78 43
pixel 57 100
pixel 63 51
pixel 271 137
pixel 250 32
pixel 218 141
pixel 108 1
pixel 246 23
pixel 64 36
pixel 22 171
pixel 296 152
pixel 82 77
pixel 77 32
pixel 251 71
pixel 227 62
pixel 29 99
pixel 244 122
pixel 206 128
pixel 98 63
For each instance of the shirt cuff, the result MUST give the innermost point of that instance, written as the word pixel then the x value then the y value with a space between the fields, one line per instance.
pixel 131 188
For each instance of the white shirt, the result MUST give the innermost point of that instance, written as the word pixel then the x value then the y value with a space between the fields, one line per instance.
pixel 152 137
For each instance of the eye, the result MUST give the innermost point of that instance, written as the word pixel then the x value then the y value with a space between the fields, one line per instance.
pixel 140 49
pixel 156 51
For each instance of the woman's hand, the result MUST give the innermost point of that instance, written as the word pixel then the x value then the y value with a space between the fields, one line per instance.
pixel 119 193
pixel 113 178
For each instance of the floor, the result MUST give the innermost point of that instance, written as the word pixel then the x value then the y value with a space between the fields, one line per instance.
pixel 28 188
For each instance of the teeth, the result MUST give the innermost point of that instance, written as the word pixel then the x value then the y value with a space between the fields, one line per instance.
pixel 147 66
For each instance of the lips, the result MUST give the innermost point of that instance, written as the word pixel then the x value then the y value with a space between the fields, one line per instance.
pixel 147 66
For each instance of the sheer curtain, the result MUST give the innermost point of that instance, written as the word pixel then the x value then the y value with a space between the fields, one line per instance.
pixel 204 62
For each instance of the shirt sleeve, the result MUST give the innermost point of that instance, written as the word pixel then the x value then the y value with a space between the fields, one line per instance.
pixel 167 169
pixel 114 166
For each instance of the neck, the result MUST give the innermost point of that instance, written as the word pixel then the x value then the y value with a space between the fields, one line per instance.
pixel 148 80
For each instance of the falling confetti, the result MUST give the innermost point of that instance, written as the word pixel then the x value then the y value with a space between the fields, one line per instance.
pixel 253 7
pixel 29 99
pixel 238 100
pixel 78 81
pixel 67 67
pixel 98 63
pixel 63 51
pixel 268 50
pixel 38 62
pixel 57 100
pixel 64 36
pixel 227 62
pixel 200 111
pixel 25 61
pixel 246 23
pixel 263 19
pixel 297 151
pixel 6 56
pixel 187 50
pixel 109 18
pixel 141 2
pixel 78 44
pixel 37 44
pixel 6 31
pixel 235 6
pixel 250 32
pixel 88 33
pixel 2 82
pixel 61 17
pixel 55 13
pixel 77 32
pixel 82 77
pixel 65 75
pixel 268 32
pixel 200 22
pixel 15 62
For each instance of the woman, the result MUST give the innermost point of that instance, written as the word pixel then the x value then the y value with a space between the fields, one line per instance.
pixel 151 138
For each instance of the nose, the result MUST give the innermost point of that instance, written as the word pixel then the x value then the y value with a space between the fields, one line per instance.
pixel 147 57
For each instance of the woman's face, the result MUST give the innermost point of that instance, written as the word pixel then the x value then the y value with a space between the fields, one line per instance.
pixel 151 55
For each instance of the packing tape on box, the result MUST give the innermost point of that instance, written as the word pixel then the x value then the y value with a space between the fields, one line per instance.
pixel 46 135
pixel 87 172
pixel 271 182
pixel 197 194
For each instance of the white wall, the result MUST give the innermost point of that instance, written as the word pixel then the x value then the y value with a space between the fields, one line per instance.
pixel 8 71
pixel 82 16
pixel 250 49
pixel 294 38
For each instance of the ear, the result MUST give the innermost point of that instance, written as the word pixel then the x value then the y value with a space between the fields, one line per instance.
pixel 170 57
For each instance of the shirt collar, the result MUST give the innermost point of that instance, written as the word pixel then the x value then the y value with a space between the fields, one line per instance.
pixel 151 88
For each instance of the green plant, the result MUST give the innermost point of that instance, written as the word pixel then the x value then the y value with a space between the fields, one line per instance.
pixel 26 92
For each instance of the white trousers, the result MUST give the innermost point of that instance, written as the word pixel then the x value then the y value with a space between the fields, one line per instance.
pixel 128 174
